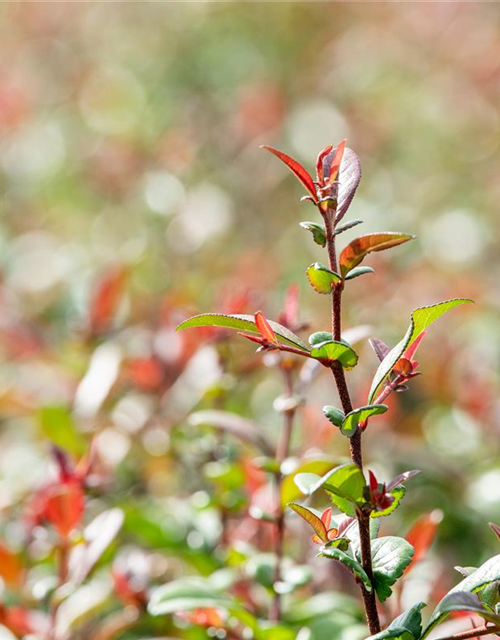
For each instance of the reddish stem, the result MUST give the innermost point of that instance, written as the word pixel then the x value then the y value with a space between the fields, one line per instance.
pixel 473 633
pixel 369 598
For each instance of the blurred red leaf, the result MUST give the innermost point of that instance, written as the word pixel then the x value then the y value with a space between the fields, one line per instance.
pixel 106 296
pixel 422 535
pixel 11 569
pixel 64 507
pixel 146 373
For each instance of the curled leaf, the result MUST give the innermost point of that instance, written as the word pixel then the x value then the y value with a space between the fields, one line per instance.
pixel 335 416
pixel 358 271
pixel 321 278
pixel 355 251
pixel 333 350
pixel 355 418
pixel 317 230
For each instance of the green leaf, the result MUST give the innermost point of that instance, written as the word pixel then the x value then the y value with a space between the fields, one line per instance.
pixel 407 626
pixel 322 278
pixel 345 486
pixel 421 318
pixel 358 271
pixel 57 424
pixel 346 225
pixel 320 336
pixel 354 418
pixel 290 491
pixel 186 594
pixel 487 572
pixel 311 518
pixel 390 557
pixel 349 562
pixel 459 601
pixel 317 230
pixel 241 322
pixel 333 350
pixel 358 249
pixel 307 481
pixel 490 594
pixel 398 494
pixel 335 416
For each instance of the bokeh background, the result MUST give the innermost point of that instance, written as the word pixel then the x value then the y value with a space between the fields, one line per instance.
pixel 134 193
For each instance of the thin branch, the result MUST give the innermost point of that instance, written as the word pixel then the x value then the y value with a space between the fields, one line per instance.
pixel 369 599
pixel 282 452
pixel 473 633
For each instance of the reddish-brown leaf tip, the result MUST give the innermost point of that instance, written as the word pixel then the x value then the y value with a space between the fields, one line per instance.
pixel 296 168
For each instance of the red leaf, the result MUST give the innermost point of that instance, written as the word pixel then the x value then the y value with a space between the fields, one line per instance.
pixel 312 519
pixel 373 482
pixel 265 328
pixel 336 161
pixel 106 297
pixel 11 568
pixel 356 250
pixel 326 517
pixel 296 168
pixel 289 317
pixel 64 507
pixel 319 162
pixel 403 367
pixel 410 352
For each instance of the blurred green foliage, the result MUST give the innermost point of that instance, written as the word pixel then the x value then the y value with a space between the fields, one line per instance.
pixel 134 194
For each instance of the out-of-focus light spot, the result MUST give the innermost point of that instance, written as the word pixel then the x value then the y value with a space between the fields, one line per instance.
pixel 195 540
pixel 112 446
pixel 454 237
pixel 168 345
pixel 35 152
pixel 484 492
pixel 202 371
pixel 132 412
pixel 35 263
pixel 112 101
pixel 313 125
pixel 452 432
pixel 206 215
pixel 98 380
pixel 163 192
pixel 156 441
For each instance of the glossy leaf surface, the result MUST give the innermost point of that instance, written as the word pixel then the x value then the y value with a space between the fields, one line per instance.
pixel 421 318
pixel 486 573
pixel 321 278
pixel 241 322
pixel 333 350
pixel 296 168
pixel 354 418
pixel 349 562
pixel 317 230
pixel 359 248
